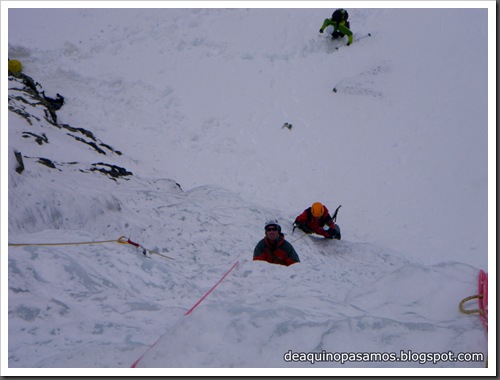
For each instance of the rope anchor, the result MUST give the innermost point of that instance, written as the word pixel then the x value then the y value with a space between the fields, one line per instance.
pixel 125 240
pixel 121 240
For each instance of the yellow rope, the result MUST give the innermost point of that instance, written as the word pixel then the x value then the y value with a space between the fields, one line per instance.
pixel 299 238
pixel 159 254
pixel 473 311
pixel 120 240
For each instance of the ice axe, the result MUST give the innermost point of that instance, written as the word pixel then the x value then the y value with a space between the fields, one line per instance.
pixel 334 216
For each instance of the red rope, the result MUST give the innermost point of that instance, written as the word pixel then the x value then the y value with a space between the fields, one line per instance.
pixel 190 310
pixel 483 301
pixel 134 244
pixel 210 291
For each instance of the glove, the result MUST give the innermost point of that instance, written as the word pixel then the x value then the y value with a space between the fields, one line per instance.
pixel 302 227
pixel 321 30
pixel 330 233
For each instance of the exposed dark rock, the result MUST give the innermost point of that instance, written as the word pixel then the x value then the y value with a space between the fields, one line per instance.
pixel 53 116
pixel 19 159
pixel 39 139
pixel 111 149
pixel 83 131
pixel 28 100
pixel 25 115
pixel 52 103
pixel 46 162
pixel 111 170
pixel 92 144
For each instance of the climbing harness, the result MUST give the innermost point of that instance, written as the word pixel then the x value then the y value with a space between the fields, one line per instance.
pixel 121 240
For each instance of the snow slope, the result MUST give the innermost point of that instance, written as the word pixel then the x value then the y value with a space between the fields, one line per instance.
pixel 198 97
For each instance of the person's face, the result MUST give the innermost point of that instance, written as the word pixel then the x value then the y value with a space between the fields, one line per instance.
pixel 272 232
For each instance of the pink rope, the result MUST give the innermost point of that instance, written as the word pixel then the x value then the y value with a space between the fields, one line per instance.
pixel 190 310
pixel 483 302
pixel 210 291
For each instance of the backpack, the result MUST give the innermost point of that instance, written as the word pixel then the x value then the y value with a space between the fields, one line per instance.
pixel 340 15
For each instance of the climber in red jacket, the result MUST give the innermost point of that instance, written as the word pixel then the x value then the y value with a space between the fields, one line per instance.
pixel 274 248
pixel 314 219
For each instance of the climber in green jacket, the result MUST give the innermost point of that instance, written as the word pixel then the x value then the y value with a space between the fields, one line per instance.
pixel 340 25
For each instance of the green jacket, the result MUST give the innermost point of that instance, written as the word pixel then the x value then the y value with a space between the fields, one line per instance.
pixel 340 26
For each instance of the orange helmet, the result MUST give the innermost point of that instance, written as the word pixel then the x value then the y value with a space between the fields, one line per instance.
pixel 317 209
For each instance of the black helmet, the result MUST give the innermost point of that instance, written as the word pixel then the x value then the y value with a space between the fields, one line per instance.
pixel 340 15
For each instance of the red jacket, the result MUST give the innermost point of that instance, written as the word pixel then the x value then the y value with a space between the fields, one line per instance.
pixel 316 225
pixel 281 252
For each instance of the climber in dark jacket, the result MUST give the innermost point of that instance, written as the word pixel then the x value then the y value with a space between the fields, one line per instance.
pixel 274 248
